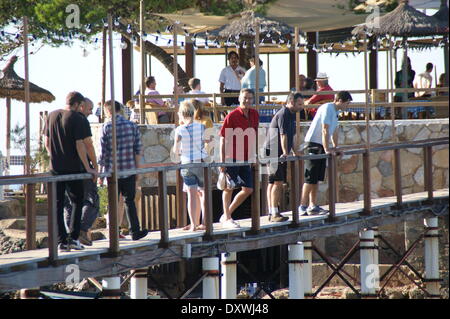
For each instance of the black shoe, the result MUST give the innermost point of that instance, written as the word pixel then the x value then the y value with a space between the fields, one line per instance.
pixel 139 234
pixel 63 247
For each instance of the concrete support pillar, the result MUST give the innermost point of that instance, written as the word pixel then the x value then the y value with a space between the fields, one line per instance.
pixel 139 284
pixel 296 263
pixel 307 268
pixel 211 281
pixel 432 279
pixel 229 276
pixel 369 267
pixel 111 288
pixel 376 241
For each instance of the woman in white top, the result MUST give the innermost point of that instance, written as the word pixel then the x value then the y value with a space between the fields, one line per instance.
pixel 190 146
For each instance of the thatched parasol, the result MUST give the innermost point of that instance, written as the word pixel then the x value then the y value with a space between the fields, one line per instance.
pixel 13 86
pixel 442 14
pixel 403 21
pixel 244 28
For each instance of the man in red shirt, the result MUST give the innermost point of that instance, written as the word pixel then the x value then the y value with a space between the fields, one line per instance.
pixel 322 85
pixel 238 144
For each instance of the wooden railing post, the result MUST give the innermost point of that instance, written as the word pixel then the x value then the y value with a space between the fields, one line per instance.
pixel 181 214
pixel 113 216
pixel 208 213
pixel 331 188
pixel 256 204
pixel 163 213
pixel 264 185
pixel 294 196
pixel 30 210
pixel 366 182
pixel 51 223
pixel 398 177
pixel 428 171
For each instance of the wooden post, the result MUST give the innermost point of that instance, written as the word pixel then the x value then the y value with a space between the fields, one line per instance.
pixel 175 71
pixel 8 135
pixel 299 165
pixel 373 63
pixel 163 213
pixel 295 194
pixel 143 87
pixel 180 198
pixel 190 58
pixel 127 71
pixel 366 156
pixel 102 115
pixel 405 75
pixel 331 188
pixel 208 213
pixel 312 58
pixel 29 188
pixel 112 182
pixel 51 223
pixel 366 182
pixel 256 196
pixel 398 177
pixel 428 171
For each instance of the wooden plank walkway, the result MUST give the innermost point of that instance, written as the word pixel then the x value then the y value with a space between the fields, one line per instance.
pixel 100 247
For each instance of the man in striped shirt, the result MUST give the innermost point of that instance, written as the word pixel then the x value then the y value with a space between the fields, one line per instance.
pixel 129 147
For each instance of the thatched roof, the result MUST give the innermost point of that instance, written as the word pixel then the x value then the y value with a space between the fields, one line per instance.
pixel 442 14
pixel 403 21
pixel 245 27
pixel 13 86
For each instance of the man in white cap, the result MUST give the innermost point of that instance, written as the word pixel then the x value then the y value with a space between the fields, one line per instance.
pixel 322 85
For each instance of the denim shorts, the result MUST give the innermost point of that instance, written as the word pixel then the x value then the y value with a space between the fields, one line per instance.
pixel 193 177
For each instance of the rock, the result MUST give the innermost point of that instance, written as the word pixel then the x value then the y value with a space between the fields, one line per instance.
pixel 150 138
pixel 418 176
pixel 100 222
pixel 423 134
pixel 416 293
pixel 409 162
pixel 385 168
pixel 347 166
pixel 355 180
pixel 347 195
pixel 375 135
pixel 385 192
pixel 11 208
pixel 411 131
pixel 386 156
pixel 440 158
pixel 155 154
pixel 352 136
pixel 395 294
pixel 375 179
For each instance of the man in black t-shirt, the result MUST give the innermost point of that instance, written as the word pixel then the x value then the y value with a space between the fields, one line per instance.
pixel 279 143
pixel 65 143
pixel 91 199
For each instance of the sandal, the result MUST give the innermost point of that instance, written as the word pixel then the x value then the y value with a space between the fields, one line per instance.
pixel 200 227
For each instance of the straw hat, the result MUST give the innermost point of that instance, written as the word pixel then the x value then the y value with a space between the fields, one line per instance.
pixel 321 76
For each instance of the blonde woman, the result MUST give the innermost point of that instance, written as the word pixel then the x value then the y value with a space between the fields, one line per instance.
pixel 190 146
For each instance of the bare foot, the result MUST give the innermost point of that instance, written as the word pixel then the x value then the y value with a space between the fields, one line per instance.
pixel 187 227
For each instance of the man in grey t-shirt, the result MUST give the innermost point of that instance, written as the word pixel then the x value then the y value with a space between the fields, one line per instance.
pixel 280 143
pixel 323 129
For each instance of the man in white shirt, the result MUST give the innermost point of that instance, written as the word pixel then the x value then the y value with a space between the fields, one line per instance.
pixel 424 81
pixel 230 79
pixel 323 129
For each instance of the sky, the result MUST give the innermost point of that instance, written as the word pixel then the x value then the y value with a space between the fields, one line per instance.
pixel 64 69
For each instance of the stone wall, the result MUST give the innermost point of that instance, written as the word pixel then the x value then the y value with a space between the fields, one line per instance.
pixel 157 144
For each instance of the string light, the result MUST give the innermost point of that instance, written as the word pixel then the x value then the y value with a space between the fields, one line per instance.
pixel 89 28
pixel 129 28
pixel 123 44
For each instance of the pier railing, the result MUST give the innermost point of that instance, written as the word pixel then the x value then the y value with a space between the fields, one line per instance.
pixel 371 103
pixel 296 181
